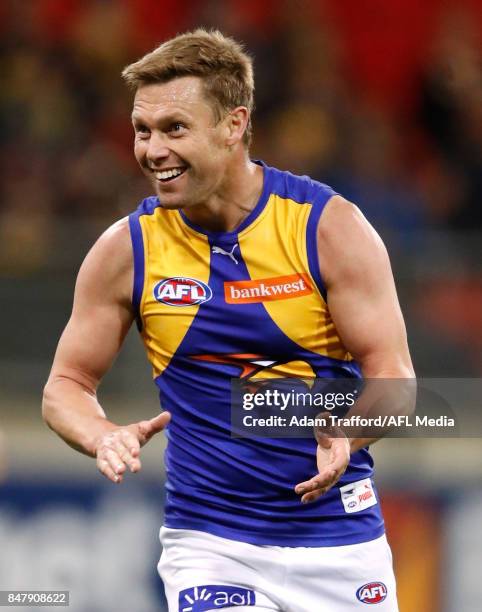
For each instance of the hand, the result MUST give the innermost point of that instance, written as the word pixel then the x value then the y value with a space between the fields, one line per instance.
pixel 332 459
pixel 120 448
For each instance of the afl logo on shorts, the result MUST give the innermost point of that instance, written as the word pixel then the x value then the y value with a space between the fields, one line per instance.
pixel 182 291
pixel 372 593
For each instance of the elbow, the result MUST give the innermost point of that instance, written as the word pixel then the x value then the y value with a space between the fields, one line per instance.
pixel 410 389
pixel 406 389
pixel 56 390
pixel 407 371
pixel 51 401
pixel 47 402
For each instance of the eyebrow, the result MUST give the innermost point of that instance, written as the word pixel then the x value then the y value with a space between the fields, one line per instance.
pixel 168 118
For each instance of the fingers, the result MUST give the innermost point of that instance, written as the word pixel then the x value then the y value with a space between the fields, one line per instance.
pixel 128 449
pixel 339 458
pixel 319 488
pixel 147 429
pixel 117 451
pixel 111 465
pixel 318 485
pixel 104 468
pixel 160 421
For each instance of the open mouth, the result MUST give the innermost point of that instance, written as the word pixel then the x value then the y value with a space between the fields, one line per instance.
pixel 167 176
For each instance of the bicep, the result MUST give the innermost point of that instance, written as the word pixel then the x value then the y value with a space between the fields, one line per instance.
pixel 361 293
pixel 101 315
pixel 90 343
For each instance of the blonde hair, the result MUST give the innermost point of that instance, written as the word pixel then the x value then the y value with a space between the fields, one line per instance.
pixel 225 69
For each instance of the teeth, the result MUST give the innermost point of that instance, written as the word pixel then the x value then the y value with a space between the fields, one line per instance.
pixel 166 174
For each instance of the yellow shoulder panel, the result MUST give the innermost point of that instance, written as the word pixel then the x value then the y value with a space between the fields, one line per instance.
pixel 277 248
pixel 171 249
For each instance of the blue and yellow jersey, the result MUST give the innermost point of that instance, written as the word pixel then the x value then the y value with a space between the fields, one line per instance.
pixel 212 306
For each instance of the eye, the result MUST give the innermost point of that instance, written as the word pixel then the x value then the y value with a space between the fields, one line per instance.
pixel 176 128
pixel 142 130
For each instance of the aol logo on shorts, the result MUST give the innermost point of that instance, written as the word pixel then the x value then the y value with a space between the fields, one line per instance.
pixel 214 597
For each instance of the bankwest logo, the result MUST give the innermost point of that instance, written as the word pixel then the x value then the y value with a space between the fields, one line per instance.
pixel 267 289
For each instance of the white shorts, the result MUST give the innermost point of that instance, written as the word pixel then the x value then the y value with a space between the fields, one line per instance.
pixel 204 572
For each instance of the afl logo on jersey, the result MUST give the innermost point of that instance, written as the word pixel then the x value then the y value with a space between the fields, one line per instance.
pixel 182 291
pixel 372 593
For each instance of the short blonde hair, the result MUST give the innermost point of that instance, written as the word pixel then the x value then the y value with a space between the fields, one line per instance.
pixel 225 69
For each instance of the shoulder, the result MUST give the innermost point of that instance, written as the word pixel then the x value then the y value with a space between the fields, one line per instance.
pixel 346 241
pixel 108 266
pixel 300 188
pixel 113 248
pixel 343 219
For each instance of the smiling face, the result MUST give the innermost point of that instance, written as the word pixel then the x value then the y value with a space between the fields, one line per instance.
pixel 178 143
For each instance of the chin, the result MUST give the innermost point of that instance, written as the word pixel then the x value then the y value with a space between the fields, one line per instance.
pixel 168 200
pixel 169 204
pixel 171 201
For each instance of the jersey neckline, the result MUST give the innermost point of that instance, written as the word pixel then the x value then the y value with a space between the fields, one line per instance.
pixel 247 221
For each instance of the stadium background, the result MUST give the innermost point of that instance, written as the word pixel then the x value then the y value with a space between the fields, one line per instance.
pixel 382 100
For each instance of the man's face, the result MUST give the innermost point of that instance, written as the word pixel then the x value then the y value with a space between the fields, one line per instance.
pixel 177 142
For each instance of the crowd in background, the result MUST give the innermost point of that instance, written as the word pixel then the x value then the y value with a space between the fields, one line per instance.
pixel 381 100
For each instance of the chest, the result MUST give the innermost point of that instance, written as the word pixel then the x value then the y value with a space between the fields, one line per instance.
pixel 235 297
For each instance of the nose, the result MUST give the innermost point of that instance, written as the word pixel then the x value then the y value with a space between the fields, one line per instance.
pixel 157 150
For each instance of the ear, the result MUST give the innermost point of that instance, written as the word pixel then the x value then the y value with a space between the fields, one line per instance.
pixel 236 124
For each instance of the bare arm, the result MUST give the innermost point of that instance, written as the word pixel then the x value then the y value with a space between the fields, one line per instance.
pixel 362 297
pixel 100 320
pixel 361 292
pixel 363 304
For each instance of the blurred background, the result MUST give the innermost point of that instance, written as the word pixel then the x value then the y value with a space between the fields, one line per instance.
pixel 383 101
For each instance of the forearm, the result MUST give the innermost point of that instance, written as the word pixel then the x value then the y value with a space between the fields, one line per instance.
pixel 73 412
pixel 389 392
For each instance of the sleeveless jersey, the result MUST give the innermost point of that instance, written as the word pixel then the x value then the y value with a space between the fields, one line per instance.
pixel 212 306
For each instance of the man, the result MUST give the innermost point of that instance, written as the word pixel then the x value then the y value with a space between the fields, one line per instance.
pixel 235 269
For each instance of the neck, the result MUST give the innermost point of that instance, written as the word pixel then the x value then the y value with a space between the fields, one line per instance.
pixel 236 196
